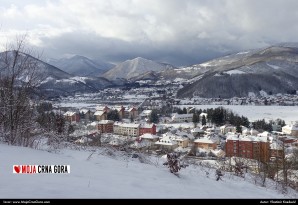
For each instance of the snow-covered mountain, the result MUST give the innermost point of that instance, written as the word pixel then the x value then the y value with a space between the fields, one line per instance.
pixel 44 70
pixel 271 70
pixel 104 173
pixel 135 67
pixel 54 82
pixel 81 66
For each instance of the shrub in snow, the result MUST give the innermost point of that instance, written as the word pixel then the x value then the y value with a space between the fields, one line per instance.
pixel 173 163
pixel 218 174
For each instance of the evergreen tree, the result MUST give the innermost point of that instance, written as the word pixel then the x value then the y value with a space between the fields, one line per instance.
pixel 209 115
pixel 44 106
pixel 199 112
pixel 178 110
pixel 71 129
pixel 203 120
pixel 113 115
pixel 261 125
pixel 60 122
pixel 154 117
pixel 195 118
pixel 217 116
pixel 244 121
pixel 238 128
pixel 82 115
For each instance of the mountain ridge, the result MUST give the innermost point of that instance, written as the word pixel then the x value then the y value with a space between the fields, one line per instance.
pixel 134 67
pixel 273 69
pixel 81 66
pixel 54 81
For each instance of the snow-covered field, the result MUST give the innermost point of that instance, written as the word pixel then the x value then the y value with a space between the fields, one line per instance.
pixel 102 176
pixel 287 113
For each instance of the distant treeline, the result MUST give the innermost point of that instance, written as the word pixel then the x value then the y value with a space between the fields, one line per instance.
pixel 220 116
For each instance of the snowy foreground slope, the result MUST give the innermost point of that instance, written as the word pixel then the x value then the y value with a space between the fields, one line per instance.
pixel 102 176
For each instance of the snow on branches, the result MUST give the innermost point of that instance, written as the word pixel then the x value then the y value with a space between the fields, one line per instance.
pixel 173 162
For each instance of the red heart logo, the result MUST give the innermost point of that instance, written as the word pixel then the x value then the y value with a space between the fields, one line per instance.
pixel 17 169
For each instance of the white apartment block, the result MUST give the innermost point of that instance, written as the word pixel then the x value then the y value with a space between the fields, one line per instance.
pixel 182 117
pixel 126 129
pixel 291 129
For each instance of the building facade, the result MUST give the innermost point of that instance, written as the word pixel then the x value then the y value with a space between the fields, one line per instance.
pixel 105 126
pixel 71 116
pixel 147 128
pixel 205 143
pixel 250 147
pixel 182 117
pixel 126 129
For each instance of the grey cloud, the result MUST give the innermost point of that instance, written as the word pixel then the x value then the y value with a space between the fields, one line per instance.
pixel 115 50
pixel 178 32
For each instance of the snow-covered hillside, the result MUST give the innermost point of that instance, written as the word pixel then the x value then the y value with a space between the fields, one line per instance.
pixel 272 69
pixel 81 65
pixel 114 176
pixel 133 68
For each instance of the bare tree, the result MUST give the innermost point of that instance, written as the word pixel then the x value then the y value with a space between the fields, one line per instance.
pixel 285 166
pixel 293 178
pixel 18 78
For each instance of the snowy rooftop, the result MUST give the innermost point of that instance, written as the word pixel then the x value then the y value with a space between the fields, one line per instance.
pixel 232 137
pixel 250 132
pixel 166 140
pixel 180 139
pixel 146 125
pixel 69 113
pixel 227 126
pixel 247 138
pixel 99 113
pixel 264 134
pixel 149 136
pixel 184 134
pixel 204 140
pixel 131 125
pixel 104 122
pixel 118 108
pixel 84 111
pixel 197 130
pixel 276 146
pixel 131 109
pixel 101 108
pixel 146 112
pixel 176 115
pixel 293 126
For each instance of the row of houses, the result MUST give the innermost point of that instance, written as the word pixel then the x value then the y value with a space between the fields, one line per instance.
pixel 101 113
pixel 251 147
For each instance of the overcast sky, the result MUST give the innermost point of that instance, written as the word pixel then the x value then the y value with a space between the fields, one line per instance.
pixel 180 32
